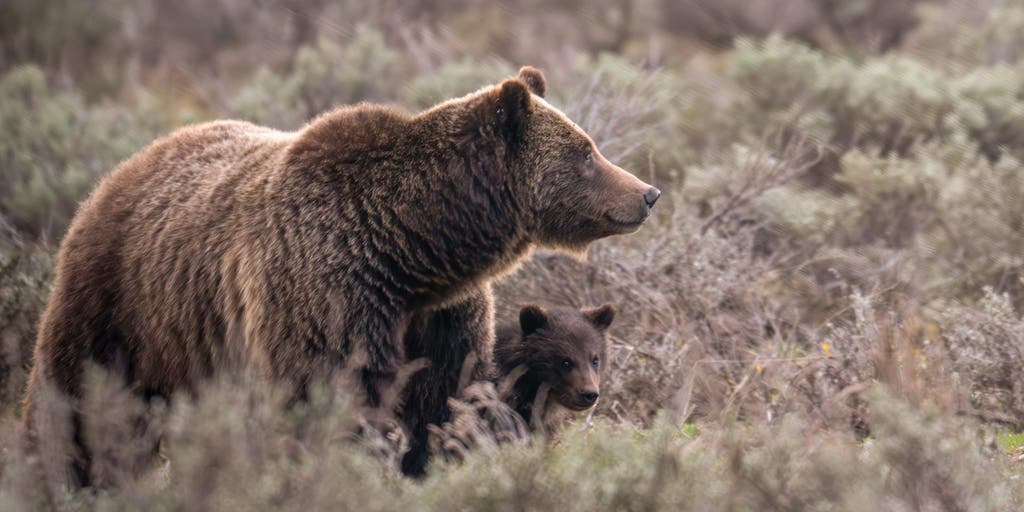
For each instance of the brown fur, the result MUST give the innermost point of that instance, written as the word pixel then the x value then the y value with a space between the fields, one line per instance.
pixel 561 352
pixel 293 255
pixel 531 391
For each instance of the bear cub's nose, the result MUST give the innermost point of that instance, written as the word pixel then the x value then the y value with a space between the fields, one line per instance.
pixel 589 397
pixel 651 196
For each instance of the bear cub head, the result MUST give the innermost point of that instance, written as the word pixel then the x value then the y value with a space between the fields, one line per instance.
pixel 564 348
pixel 573 195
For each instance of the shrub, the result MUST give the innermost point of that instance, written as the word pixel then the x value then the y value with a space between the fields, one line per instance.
pixel 696 304
pixel 235 446
pixel 322 77
pixel 454 79
pixel 55 147
pixel 628 111
pixel 883 104
pixel 991 109
pixel 833 222
pixel 25 275
pixel 866 25
pixel 967 34
pixel 66 37
pixel 986 343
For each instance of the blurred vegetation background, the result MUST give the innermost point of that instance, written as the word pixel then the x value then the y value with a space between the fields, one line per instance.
pixel 832 289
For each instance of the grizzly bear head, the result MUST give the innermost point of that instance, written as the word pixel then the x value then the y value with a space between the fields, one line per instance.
pixel 572 194
pixel 565 348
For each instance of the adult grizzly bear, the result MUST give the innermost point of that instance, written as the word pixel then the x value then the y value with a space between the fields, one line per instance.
pixel 229 245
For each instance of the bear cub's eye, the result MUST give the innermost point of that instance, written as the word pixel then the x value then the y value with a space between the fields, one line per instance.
pixel 589 158
pixel 595 362
pixel 567 364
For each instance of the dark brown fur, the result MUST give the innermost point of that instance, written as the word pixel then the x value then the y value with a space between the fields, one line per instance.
pixel 293 255
pixel 560 351
pixel 532 389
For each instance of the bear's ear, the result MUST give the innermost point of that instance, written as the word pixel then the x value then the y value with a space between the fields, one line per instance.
pixel 498 115
pixel 600 316
pixel 534 79
pixel 532 318
pixel 512 107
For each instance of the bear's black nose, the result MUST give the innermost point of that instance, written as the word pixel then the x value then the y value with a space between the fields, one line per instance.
pixel 651 197
pixel 589 397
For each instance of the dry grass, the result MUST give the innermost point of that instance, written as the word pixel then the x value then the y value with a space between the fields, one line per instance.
pixel 824 314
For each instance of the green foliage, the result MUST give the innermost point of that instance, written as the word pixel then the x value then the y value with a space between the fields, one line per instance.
pixel 64 36
pixel 830 221
pixel 964 35
pixel 44 177
pixel 322 77
pixel 237 446
pixel 25 276
pixel 921 164
pixel 892 102
pixel 987 349
pixel 1011 442
pixel 884 104
pixel 631 113
pixel 454 79
pixel 780 73
pixel 691 430
pixel 991 110
pixel 54 148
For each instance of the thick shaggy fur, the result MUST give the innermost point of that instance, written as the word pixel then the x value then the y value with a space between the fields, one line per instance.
pixel 367 238
pixel 533 386
pixel 562 354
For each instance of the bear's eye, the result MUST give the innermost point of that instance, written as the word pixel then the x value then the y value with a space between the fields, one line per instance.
pixel 595 362
pixel 566 364
pixel 589 158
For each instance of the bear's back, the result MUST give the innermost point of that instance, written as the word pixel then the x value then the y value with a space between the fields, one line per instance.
pixel 175 169
pixel 154 236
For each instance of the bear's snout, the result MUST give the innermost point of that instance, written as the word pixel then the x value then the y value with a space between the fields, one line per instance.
pixel 630 198
pixel 651 197
pixel 589 397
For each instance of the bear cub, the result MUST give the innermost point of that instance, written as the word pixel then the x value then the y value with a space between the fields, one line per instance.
pixel 549 363
pixel 555 357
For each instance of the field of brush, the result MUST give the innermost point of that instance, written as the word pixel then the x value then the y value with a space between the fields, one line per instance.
pixel 825 312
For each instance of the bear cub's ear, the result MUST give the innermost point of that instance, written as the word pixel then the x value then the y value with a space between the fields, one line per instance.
pixel 531 318
pixel 534 79
pixel 601 317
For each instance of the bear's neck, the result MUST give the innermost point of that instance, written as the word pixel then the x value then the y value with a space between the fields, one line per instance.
pixel 436 216
pixel 487 219
pixel 469 221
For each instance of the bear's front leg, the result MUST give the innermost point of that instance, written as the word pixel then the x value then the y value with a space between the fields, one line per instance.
pixel 445 337
pixel 375 338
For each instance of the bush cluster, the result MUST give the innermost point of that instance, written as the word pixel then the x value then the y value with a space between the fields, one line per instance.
pixel 55 146
pixel 830 291
pixel 235 447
